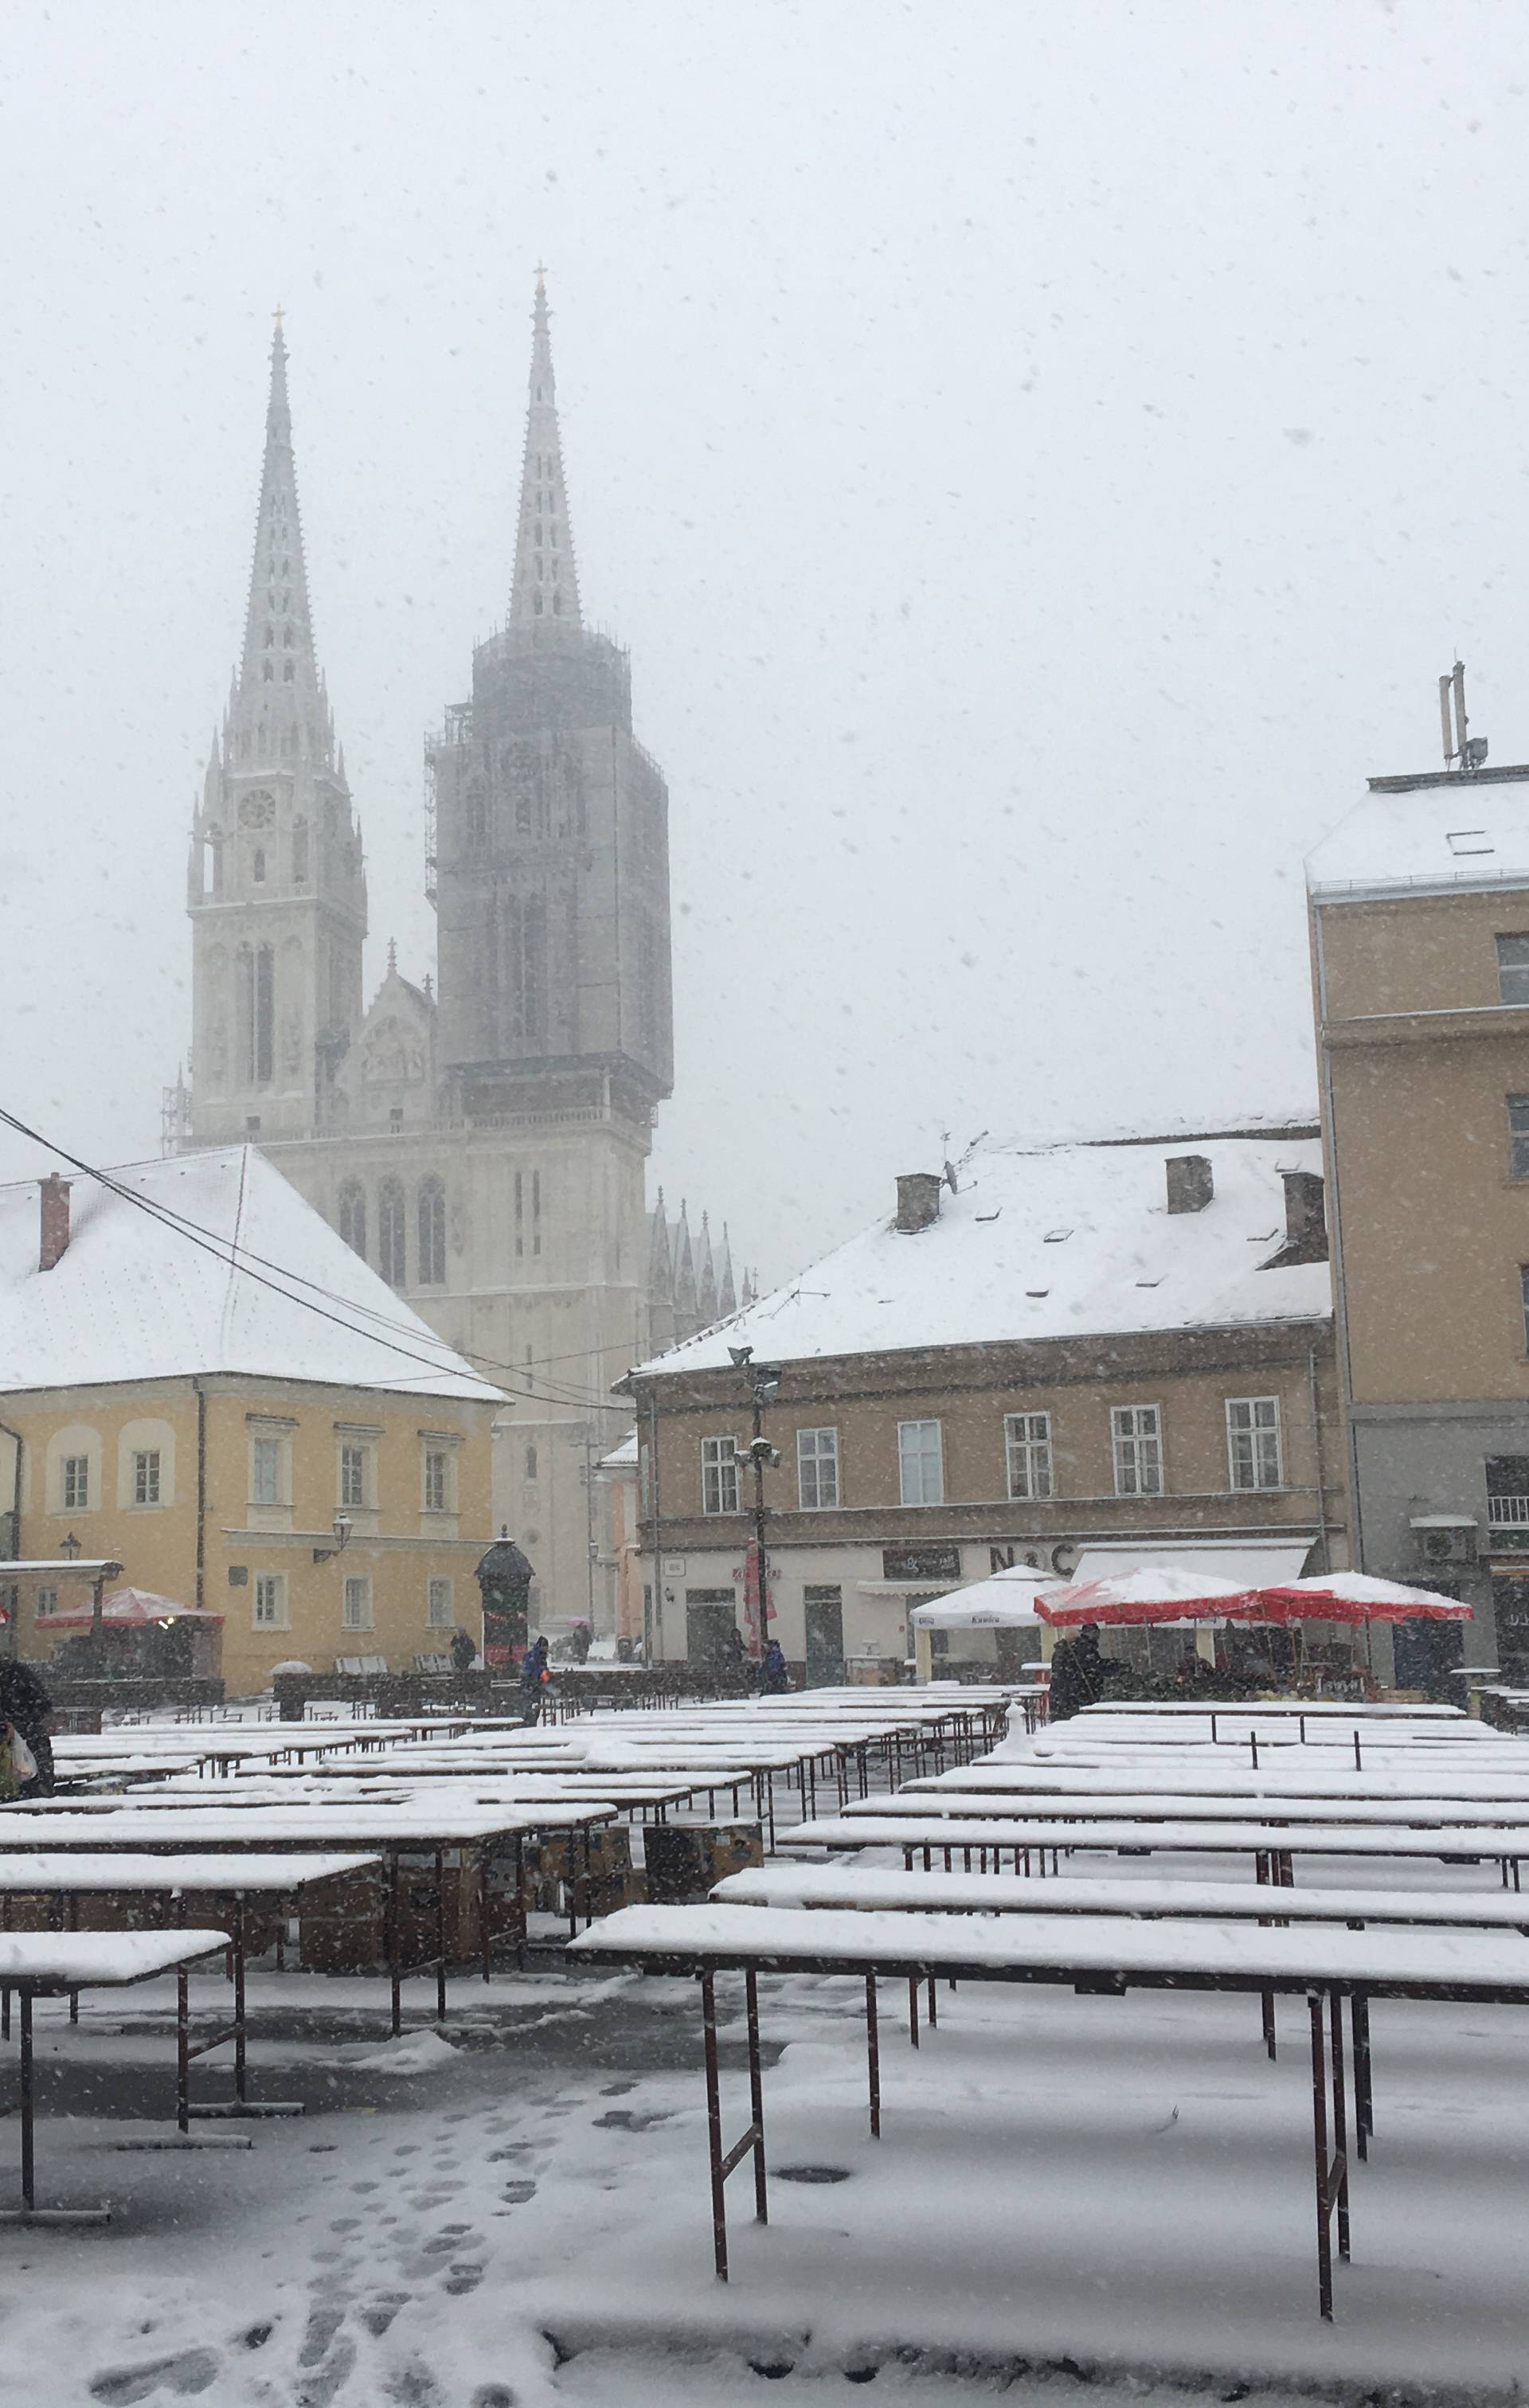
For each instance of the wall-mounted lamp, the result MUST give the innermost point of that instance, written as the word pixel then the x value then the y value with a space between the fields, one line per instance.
pixel 69 1546
pixel 342 1527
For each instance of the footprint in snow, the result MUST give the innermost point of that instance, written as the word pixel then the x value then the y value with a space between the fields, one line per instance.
pixel 183 2376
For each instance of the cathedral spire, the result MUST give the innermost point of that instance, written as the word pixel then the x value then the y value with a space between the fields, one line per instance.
pixel 546 578
pixel 278 708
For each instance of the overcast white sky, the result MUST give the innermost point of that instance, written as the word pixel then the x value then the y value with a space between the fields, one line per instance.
pixel 1039 458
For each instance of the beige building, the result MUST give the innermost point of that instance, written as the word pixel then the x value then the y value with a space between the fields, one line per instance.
pixel 1073 1351
pixel 1420 935
pixel 207 1385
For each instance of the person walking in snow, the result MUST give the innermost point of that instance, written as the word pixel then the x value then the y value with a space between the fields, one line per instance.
pixel 774 1673
pixel 464 1654
pixel 533 1679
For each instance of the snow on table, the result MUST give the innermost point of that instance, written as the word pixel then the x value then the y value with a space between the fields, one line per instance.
pixel 428 1822
pixel 1398 1964
pixel 1283 1780
pixel 76 1961
pixel 864 1888
pixel 895 1830
pixel 21 1874
pixel 1168 1805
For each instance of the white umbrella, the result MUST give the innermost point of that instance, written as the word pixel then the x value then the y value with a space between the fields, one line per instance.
pixel 1003 1601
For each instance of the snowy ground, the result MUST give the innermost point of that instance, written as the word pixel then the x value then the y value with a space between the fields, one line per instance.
pixel 1066 2187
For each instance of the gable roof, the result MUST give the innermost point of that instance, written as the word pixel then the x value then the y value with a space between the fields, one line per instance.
pixel 1047 1242
pixel 135 1296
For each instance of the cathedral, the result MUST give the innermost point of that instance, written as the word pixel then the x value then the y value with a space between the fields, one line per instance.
pixel 480 1136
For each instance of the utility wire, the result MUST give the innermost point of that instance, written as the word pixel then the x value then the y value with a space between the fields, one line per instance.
pixel 239 1258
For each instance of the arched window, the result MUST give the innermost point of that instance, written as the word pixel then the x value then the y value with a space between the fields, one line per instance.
pixel 431 1255
pixel 353 1216
pixel 299 852
pixel 478 814
pixel 288 675
pixel 390 1216
pixel 257 866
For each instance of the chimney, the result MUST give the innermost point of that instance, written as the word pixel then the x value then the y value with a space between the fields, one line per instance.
pixel 1305 1217
pixel 1191 1182
pixel 55 1221
pixel 918 1200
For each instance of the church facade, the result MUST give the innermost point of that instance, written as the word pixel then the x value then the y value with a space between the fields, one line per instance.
pixel 480 1136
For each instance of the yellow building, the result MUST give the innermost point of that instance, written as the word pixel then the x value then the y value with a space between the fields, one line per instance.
pixel 208 1385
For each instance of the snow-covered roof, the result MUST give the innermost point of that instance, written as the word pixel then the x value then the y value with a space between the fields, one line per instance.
pixel 1442 835
pixel 1057 1241
pixel 135 1296
pixel 623 1457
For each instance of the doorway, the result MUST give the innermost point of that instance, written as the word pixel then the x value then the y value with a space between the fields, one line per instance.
pixel 824 1613
pixel 711 1623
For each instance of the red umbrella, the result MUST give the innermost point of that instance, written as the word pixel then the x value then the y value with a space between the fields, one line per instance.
pixel 1148 1593
pixel 128 1609
pixel 1350 1597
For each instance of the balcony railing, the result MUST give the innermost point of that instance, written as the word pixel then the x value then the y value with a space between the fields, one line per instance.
pixel 1509 1517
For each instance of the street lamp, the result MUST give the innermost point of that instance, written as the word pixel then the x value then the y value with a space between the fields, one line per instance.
pixel 69 1546
pixel 342 1528
pixel 763 1386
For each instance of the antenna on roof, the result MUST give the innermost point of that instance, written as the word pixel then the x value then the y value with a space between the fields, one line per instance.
pixel 1461 751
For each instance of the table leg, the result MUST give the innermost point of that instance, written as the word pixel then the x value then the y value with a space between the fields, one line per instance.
pixel 932 2009
pixel 440 1935
pixel 519 1902
pixel 913 2009
pixel 241 2038
pixel 1319 2135
pixel 182 2048
pixel 714 2125
pixel 390 1924
pixel 873 2057
pixel 1340 2123
pixel 756 2097
pixel 29 2185
pixel 1363 2079
pixel 484 1854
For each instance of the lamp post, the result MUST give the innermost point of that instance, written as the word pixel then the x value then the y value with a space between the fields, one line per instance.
pixel 763 1384
pixel 342 1527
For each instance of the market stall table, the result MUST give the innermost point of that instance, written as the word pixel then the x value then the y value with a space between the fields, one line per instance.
pixel 54 1965
pixel 1100 1956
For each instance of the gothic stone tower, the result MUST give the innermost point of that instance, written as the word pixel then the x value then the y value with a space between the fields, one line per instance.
pixel 553 870
pixel 486 1152
pixel 277 895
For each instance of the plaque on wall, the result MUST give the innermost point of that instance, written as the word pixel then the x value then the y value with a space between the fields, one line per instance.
pixel 921 1563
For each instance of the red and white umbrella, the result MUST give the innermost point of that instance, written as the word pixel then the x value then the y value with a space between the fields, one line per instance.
pixel 1148 1593
pixel 128 1609
pixel 1350 1596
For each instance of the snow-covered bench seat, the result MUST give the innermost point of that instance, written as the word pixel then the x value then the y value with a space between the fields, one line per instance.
pixel 1099 1955
pixel 49 1965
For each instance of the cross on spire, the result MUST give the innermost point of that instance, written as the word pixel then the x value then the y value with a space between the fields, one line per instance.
pixel 546 585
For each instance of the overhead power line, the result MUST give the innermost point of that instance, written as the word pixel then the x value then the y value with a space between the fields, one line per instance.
pixel 384 1330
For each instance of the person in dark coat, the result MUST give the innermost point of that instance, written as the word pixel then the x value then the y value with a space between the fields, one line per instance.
pixel 533 1679
pixel 774 1672
pixel 464 1654
pixel 26 1706
pixel 1078 1674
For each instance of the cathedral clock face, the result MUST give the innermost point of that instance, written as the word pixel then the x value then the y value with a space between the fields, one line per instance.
pixel 258 811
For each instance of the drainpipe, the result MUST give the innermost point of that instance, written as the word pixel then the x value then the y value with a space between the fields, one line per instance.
pixel 201 1487
pixel 658 1527
pixel 1326 1564
pixel 5 1431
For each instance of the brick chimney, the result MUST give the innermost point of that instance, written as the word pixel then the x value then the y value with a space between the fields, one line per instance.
pixel 918 1200
pixel 1191 1181
pixel 55 1221
pixel 1305 1216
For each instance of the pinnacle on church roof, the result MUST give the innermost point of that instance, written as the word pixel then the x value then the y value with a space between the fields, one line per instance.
pixel 278 705
pixel 393 957
pixel 546 584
